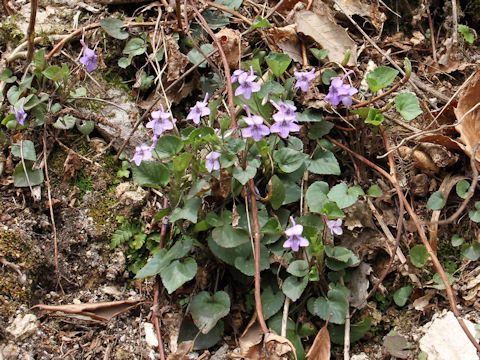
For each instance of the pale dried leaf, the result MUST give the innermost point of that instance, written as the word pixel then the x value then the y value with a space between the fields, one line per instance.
pixel 468 114
pixel 251 337
pixel 71 165
pixel 279 345
pixel 320 349
pixel 396 345
pixel 421 160
pixel 177 61
pixel 328 34
pixel 103 311
pixel 286 39
pixel 230 40
pixel 359 285
pixel 183 349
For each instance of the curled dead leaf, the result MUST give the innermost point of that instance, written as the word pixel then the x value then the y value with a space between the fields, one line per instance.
pixel 278 346
pixel 468 116
pixel 320 349
pixel 230 40
pixel 421 160
pixel 286 39
pixel 103 311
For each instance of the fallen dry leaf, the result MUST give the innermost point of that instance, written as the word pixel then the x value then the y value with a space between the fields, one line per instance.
pixel 278 346
pixel 320 349
pixel 286 39
pixel 103 311
pixel 327 33
pixel 183 349
pixel 230 40
pixel 251 340
pixel 468 116
pixel 176 60
pixel 71 165
pixel 421 160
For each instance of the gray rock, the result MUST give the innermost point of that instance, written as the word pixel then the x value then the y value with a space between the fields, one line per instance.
pixel 361 356
pixel 23 327
pixel 131 198
pixel 121 119
pixel 444 339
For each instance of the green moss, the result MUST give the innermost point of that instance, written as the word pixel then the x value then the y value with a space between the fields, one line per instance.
pixel 17 250
pixel 10 32
pixel 83 183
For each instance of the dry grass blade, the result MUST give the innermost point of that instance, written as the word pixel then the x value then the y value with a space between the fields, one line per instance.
pixel 103 311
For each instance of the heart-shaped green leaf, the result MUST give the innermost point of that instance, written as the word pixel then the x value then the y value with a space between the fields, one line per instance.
pixel 244 175
pixel 188 212
pixel 343 196
pixel 324 163
pixel 407 105
pixel 278 62
pixel 380 77
pixel 229 237
pixel 113 27
pixel 168 146
pixel 335 305
pixel 151 173
pixel 436 201
pixel 278 192
pixel 419 255
pixel 207 310
pixel 293 287
pixel 178 273
pixel 298 268
pixel 34 176
pixel 316 196
pixel 401 295
pixel 288 160
pixel 28 150
pixel 271 302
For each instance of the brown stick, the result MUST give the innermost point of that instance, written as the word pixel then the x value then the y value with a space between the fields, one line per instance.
pixel 432 35
pixel 423 237
pixel 31 30
pixel 156 322
pixel 257 236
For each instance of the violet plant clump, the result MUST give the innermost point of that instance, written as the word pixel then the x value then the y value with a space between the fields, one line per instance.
pixel 247 83
pixel 284 119
pixel 295 239
pixel 199 110
pixel 142 153
pixel 303 79
pixel 20 114
pixel 255 129
pixel 161 121
pixel 211 162
pixel 341 92
pixel 89 58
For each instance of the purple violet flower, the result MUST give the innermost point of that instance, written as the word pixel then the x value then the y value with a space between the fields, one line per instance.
pixel 303 79
pixel 295 238
pixel 335 226
pixel 340 92
pixel 247 84
pixel 142 153
pixel 284 119
pixel 89 58
pixel 160 122
pixel 211 162
pixel 200 109
pixel 256 129
pixel 20 113
pixel 236 74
